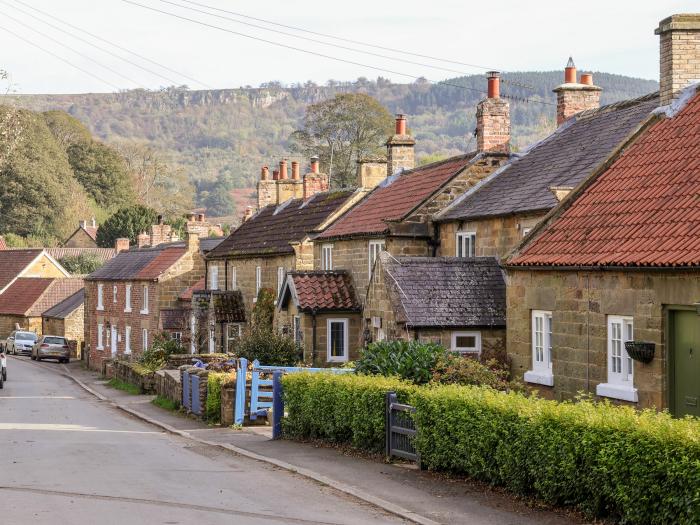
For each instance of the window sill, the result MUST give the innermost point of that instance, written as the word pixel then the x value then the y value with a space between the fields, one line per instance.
pixel 337 360
pixel 99 348
pixel 540 378
pixel 625 393
pixel 100 308
pixel 127 310
pixel 144 312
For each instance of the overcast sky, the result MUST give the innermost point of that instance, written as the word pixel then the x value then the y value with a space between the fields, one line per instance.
pixel 615 36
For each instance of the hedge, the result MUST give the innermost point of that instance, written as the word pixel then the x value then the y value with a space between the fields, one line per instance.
pixel 213 405
pixel 609 461
pixel 341 408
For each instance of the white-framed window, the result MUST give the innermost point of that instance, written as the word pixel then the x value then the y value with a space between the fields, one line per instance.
pixel 326 257
pixel 144 304
pixel 541 372
pixel 466 342
pixel 114 294
pixel 144 339
pixel 526 231
pixel 620 383
pixel 337 340
pixel 466 244
pixel 258 280
pixel 374 248
pixel 213 277
pixel 176 336
pixel 280 279
pixel 127 339
pixel 234 281
pixel 233 334
pixel 127 298
pixel 100 296
pixel 100 336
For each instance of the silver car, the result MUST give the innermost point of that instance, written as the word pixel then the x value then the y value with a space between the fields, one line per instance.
pixel 20 342
pixel 51 347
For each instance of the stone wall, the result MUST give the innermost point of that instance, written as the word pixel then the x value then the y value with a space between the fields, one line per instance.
pixel 495 237
pixel 8 324
pixel 72 327
pixel 168 385
pixel 124 371
pixel 580 303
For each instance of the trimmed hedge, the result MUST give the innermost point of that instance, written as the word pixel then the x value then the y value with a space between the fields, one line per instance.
pixel 215 380
pixel 341 408
pixel 609 461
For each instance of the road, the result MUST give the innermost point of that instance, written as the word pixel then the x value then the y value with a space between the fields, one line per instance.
pixel 69 458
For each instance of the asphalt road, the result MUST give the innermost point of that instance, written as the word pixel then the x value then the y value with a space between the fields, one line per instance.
pixel 67 457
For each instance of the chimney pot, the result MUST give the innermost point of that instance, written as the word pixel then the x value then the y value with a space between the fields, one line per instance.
pixel 200 217
pixel 314 164
pixel 160 219
pixel 494 84
pixel 283 169
pixel 275 174
pixel 264 173
pixel 295 170
pixel 570 72
pixel 400 124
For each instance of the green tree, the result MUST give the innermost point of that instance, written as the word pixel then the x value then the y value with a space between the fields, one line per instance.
pixel 102 172
pixel 126 222
pixel 341 131
pixel 81 264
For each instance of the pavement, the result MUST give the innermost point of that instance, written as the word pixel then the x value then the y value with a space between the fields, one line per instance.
pixel 400 490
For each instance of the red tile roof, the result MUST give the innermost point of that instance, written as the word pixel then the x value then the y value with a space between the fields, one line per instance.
pixel 322 290
pixel 187 294
pixel 91 231
pixel 22 294
pixel 12 262
pixel 642 211
pixel 3 243
pixel 396 198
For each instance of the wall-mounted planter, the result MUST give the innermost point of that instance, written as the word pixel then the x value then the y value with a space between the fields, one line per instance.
pixel 640 351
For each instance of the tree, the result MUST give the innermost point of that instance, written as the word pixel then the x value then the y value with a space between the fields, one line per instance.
pixel 126 222
pixel 341 131
pixel 81 264
pixel 10 124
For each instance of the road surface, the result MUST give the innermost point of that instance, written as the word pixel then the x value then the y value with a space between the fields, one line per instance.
pixel 68 458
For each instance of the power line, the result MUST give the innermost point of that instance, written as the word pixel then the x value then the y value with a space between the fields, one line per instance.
pixel 86 57
pixel 142 57
pixel 61 58
pixel 314 53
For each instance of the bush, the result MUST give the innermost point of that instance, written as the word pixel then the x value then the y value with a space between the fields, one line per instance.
pixel 341 408
pixel 82 264
pixel 411 360
pixel 269 347
pixel 264 310
pixel 155 356
pixel 636 467
pixel 215 380
pixel 461 370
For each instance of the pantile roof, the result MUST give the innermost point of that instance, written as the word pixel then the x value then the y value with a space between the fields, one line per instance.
pixel 446 291
pixel 12 262
pixel 67 306
pixel 91 231
pixel 396 197
pixel 102 254
pixel 144 264
pixel 320 291
pixel 563 159
pixel 644 210
pixel 273 228
pixel 32 296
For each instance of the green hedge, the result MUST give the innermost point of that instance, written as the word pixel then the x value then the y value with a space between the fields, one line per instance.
pixel 343 408
pixel 637 467
pixel 609 461
pixel 215 380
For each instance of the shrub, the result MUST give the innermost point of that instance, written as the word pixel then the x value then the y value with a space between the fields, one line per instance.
pixel 456 369
pixel 341 408
pixel 264 310
pixel 155 356
pixel 82 264
pixel 215 380
pixel 411 360
pixel 636 467
pixel 269 347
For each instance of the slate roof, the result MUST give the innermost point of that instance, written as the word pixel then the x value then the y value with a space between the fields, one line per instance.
pixel 67 306
pixel 174 319
pixel 320 291
pixel 644 210
pixel 12 262
pixel 32 296
pixel 395 198
pixel 272 229
pixel 144 264
pixel 446 292
pixel 565 158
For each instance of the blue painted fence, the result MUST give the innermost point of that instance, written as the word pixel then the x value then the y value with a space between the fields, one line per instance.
pixel 186 395
pixel 196 400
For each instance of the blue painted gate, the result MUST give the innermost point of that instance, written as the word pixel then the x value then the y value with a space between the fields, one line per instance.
pixel 186 396
pixel 196 400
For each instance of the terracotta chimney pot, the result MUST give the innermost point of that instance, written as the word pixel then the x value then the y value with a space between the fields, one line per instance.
pixel 587 79
pixel 314 164
pixel 494 84
pixel 264 173
pixel 400 124
pixel 570 72
pixel 283 169
pixel 275 175
pixel 295 170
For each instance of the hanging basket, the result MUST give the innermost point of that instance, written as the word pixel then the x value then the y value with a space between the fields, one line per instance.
pixel 640 351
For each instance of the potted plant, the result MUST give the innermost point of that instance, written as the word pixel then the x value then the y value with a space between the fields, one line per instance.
pixel 641 351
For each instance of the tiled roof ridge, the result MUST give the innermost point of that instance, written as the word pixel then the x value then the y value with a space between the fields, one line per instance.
pixel 436 163
pixel 318 272
pixel 616 106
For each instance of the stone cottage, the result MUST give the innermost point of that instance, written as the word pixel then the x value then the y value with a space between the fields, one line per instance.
pixel 604 297
pixel 84 236
pixel 67 319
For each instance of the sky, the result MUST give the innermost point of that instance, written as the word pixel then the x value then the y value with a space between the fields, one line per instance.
pixel 615 36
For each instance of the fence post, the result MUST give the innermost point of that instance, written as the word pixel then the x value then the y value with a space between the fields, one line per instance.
pixel 277 404
pixel 241 379
pixel 387 424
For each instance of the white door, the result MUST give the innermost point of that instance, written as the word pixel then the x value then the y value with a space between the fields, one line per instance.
pixel 114 340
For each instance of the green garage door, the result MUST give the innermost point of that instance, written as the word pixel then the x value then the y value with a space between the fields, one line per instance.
pixel 685 388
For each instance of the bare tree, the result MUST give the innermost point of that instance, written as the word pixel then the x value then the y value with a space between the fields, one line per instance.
pixel 10 128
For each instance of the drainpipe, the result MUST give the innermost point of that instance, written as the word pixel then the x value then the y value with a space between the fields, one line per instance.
pixel 206 274
pixel 434 242
pixel 313 337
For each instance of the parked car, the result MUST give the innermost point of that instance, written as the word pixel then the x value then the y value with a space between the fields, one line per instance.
pixel 20 342
pixel 51 347
pixel 3 369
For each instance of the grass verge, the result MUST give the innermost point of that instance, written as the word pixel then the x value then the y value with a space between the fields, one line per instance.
pixel 124 386
pixel 165 403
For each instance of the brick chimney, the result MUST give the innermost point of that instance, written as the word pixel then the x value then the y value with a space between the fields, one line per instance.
pixel 314 182
pixel 399 148
pixel 493 119
pixel 267 191
pixel 121 245
pixel 192 236
pixel 680 54
pixel 573 96
pixel 142 239
pixel 370 172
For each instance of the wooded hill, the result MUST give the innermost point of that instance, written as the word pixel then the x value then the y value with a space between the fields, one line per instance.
pixel 224 136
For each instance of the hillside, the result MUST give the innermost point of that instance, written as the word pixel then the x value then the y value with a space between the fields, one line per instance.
pixel 228 134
